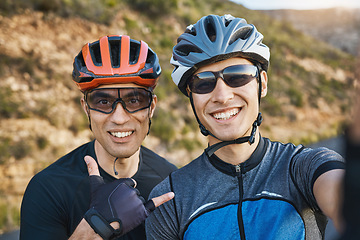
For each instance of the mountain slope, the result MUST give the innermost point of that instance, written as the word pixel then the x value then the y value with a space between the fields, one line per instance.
pixel 339 27
pixel 310 82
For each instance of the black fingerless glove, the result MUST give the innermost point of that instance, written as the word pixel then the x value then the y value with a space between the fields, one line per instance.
pixel 116 201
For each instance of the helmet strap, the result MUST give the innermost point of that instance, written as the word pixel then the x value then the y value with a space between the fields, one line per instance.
pixel 149 126
pixel 88 115
pixel 250 139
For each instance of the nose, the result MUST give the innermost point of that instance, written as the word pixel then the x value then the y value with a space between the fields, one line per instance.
pixel 222 93
pixel 119 115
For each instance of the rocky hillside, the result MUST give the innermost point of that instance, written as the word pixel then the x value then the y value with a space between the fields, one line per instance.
pixel 339 27
pixel 309 95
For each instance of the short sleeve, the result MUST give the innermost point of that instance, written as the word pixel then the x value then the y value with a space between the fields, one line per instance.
pixel 41 216
pixel 308 165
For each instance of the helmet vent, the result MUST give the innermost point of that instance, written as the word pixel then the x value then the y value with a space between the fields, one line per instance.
pixel 150 56
pixel 115 53
pixel 185 50
pixel 80 60
pixel 210 29
pixel 228 18
pixel 96 54
pixel 242 33
pixel 134 52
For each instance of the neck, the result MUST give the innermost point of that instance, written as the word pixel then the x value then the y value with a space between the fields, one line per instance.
pixel 236 153
pixel 125 167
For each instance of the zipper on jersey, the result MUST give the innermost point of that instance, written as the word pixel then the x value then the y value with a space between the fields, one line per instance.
pixel 238 170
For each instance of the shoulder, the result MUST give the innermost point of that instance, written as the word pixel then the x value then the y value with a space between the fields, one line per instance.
pixel 155 161
pixel 181 176
pixel 66 171
pixel 300 152
pixel 280 148
pixel 74 160
pixel 320 154
pixel 192 170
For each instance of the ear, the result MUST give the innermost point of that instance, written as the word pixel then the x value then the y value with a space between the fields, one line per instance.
pixel 264 81
pixel 84 106
pixel 153 106
pixel 86 110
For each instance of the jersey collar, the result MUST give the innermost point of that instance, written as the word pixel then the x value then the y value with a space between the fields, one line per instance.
pixel 249 164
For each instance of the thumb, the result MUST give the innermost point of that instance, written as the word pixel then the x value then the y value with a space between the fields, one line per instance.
pixel 92 166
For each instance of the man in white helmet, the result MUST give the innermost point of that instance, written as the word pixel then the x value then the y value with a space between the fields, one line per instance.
pixel 243 186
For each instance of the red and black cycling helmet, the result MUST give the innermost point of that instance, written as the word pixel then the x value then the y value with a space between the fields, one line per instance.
pixel 116 59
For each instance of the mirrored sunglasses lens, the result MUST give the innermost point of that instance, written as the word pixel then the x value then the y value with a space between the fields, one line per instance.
pixel 203 83
pixel 239 75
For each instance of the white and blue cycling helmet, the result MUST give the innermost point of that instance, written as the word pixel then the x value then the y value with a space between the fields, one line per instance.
pixel 212 39
pixel 215 38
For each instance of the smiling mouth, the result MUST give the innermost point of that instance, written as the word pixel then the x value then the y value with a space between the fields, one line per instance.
pixel 121 134
pixel 226 115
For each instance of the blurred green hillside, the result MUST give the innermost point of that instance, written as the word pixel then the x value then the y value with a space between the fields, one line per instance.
pixel 310 82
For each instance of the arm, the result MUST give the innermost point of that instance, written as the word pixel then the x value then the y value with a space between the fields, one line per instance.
pixel 118 202
pixel 328 191
pixel 41 211
pixel 84 231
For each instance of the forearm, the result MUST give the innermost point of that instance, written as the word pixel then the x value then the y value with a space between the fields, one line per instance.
pixel 84 231
pixel 328 191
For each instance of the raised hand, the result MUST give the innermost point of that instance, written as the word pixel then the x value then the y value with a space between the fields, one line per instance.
pixel 117 202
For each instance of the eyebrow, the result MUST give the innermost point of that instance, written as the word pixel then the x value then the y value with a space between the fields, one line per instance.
pixel 136 93
pixel 97 94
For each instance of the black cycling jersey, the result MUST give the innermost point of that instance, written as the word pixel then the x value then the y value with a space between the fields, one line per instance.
pixel 56 198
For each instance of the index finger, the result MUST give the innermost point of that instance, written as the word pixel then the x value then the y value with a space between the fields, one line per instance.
pixel 92 166
pixel 163 198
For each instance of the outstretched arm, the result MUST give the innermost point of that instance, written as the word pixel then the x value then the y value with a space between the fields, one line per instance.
pixel 328 191
pixel 337 192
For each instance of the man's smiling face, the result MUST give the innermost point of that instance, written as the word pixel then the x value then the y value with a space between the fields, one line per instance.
pixel 120 133
pixel 228 112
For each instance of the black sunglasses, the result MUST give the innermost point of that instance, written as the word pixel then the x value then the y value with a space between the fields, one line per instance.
pixel 105 100
pixel 234 76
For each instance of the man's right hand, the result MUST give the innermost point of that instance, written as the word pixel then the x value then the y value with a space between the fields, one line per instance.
pixel 118 203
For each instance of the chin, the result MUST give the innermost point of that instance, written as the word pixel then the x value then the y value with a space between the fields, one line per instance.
pixel 124 152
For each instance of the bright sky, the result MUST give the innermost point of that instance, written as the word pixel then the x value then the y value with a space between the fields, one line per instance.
pixel 291 4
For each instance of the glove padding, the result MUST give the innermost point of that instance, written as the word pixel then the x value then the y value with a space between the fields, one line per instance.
pixel 116 201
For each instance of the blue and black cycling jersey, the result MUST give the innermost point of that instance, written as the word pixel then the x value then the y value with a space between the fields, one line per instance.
pixel 269 196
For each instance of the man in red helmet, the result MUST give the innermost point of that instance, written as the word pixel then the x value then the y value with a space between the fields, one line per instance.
pixel 117 76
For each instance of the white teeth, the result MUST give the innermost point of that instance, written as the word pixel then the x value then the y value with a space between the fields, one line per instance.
pixel 121 134
pixel 226 115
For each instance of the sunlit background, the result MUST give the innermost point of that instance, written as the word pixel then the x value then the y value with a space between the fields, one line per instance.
pixel 311 76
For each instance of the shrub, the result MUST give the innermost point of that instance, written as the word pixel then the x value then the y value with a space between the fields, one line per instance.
pixel 3 215
pixel 153 7
pixel 8 106
pixel 296 97
pixel 163 126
